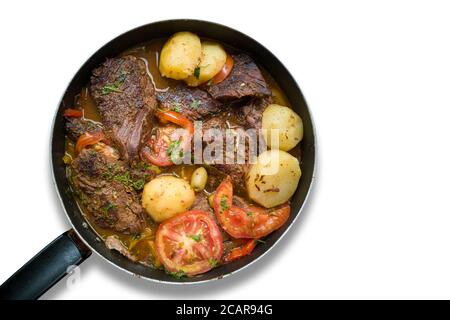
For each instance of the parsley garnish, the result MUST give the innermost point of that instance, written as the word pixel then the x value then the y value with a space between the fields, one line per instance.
pixel 174 151
pixel 197 72
pixel 114 87
pixel 178 274
pixel 124 178
pixel 110 88
pixel 213 262
pixel 195 104
pixel 260 241
pixel 139 184
pixel 106 216
pixel 223 204
pixel 109 207
pixel 177 107
pixel 196 237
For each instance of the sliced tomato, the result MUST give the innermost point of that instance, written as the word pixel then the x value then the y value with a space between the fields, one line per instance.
pixel 247 221
pixel 265 221
pixel 87 139
pixel 73 113
pixel 176 118
pixel 156 150
pixel 223 197
pixel 240 252
pixel 224 72
pixel 189 242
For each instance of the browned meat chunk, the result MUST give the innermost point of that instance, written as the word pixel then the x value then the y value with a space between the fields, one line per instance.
pixel 253 110
pixel 125 98
pixel 248 116
pixel 190 102
pixel 223 121
pixel 201 203
pixel 75 127
pixel 245 80
pixel 105 189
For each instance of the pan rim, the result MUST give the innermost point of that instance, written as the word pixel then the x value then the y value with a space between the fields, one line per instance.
pixel 200 281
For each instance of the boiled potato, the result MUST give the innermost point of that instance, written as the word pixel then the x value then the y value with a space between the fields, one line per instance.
pixel 166 196
pixel 273 179
pixel 211 62
pixel 180 55
pixel 287 124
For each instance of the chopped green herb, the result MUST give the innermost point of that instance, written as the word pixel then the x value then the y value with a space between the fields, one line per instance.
pixel 124 178
pixel 178 274
pixel 113 173
pixel 139 184
pixel 213 262
pixel 196 237
pixel 223 204
pixel 110 88
pixel 260 241
pixel 174 151
pixel 249 213
pixel 197 72
pixel 109 207
pixel 114 87
pixel 177 107
pixel 195 104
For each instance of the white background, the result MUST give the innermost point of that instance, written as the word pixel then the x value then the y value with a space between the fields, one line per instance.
pixel 376 75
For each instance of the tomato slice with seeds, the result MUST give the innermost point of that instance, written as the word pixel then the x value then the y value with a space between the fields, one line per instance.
pixel 155 151
pixel 177 118
pixel 248 221
pixel 189 242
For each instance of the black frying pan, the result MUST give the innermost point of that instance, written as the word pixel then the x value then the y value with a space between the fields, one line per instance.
pixel 74 246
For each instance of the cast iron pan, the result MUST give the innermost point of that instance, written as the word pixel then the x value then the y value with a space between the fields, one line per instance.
pixel 75 245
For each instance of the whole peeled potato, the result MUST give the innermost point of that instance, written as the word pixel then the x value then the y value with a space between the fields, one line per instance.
pixel 166 196
pixel 282 126
pixel 180 55
pixel 211 62
pixel 273 179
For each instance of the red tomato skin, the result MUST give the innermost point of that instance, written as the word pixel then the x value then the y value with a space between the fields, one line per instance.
pixel 225 71
pixel 87 139
pixel 240 252
pixel 249 221
pixel 223 198
pixel 73 113
pixel 214 234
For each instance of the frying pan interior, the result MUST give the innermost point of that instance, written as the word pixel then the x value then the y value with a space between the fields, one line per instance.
pixel 164 29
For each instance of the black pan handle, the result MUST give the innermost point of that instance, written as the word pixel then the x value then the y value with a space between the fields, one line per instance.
pixel 46 268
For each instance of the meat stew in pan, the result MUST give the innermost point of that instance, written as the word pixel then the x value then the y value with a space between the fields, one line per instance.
pixel 179 153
